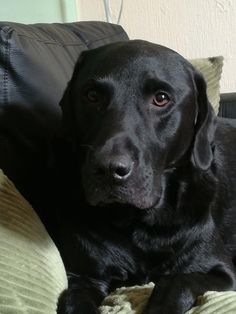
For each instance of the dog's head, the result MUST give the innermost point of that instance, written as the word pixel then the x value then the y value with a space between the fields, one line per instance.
pixel 135 110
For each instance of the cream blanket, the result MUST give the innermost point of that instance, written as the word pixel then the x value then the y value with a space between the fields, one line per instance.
pixel 132 301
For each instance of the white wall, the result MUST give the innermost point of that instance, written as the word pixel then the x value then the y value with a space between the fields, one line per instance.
pixel 195 29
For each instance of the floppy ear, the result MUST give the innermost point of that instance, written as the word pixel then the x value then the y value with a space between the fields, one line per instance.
pixel 202 154
pixel 67 112
pixel 66 104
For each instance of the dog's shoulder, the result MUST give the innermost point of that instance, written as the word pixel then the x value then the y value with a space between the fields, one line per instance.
pixel 225 125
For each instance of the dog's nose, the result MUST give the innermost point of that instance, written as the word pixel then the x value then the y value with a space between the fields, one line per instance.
pixel 119 167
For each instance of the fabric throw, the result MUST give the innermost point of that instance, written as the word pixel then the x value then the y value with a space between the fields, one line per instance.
pixel 132 300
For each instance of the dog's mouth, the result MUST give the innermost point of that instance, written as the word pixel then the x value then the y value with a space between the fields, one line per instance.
pixel 126 202
pixel 138 191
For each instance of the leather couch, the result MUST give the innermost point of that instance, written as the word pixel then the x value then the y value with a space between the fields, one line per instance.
pixel 228 105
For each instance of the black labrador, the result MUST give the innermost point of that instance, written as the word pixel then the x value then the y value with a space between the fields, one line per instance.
pixel 154 181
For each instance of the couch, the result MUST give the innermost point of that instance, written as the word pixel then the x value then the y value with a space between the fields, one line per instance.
pixel 36 62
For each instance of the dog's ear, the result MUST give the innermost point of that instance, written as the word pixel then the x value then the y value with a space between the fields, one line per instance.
pixel 66 104
pixel 202 154
pixel 67 112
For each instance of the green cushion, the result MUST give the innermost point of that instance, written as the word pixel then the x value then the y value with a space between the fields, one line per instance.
pixel 32 274
pixel 211 69
pixel 132 300
pixel 215 303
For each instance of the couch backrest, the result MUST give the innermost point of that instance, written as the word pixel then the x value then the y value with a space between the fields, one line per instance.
pixel 228 105
pixel 36 62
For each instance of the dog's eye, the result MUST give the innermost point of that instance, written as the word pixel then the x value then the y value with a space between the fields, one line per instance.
pixel 92 96
pixel 160 99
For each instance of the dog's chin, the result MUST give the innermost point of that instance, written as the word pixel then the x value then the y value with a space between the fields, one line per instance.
pixel 142 204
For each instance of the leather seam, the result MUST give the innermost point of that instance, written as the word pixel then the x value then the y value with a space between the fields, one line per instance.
pixel 68 44
pixel 6 69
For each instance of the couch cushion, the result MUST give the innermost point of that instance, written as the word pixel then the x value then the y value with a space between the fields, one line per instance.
pixel 32 274
pixel 211 69
pixel 36 61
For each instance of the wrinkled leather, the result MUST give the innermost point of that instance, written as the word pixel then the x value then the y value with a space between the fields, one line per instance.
pixel 228 105
pixel 36 62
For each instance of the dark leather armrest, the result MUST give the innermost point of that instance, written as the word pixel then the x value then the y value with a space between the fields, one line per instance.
pixel 227 105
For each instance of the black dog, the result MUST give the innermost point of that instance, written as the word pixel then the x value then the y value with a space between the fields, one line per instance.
pixel 155 182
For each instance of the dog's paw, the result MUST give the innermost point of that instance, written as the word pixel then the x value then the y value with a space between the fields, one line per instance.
pixel 82 308
pixel 67 304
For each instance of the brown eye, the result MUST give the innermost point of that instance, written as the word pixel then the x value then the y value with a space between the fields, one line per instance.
pixel 160 99
pixel 92 96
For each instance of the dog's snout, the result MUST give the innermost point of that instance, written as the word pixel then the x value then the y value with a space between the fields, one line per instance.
pixel 118 168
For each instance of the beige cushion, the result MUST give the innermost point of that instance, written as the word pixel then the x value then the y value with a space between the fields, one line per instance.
pixel 211 69
pixel 132 300
pixel 32 274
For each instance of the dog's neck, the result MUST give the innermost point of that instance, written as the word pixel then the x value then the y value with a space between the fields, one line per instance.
pixel 189 195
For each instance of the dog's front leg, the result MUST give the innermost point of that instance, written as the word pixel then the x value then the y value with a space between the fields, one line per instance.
pixel 175 294
pixel 83 296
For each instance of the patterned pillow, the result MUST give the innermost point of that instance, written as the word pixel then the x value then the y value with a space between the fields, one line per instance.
pixel 211 69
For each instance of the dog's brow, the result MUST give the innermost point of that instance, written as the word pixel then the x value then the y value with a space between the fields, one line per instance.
pixel 99 79
pixel 153 83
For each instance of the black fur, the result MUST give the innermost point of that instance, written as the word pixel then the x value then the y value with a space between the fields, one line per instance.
pixel 154 187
